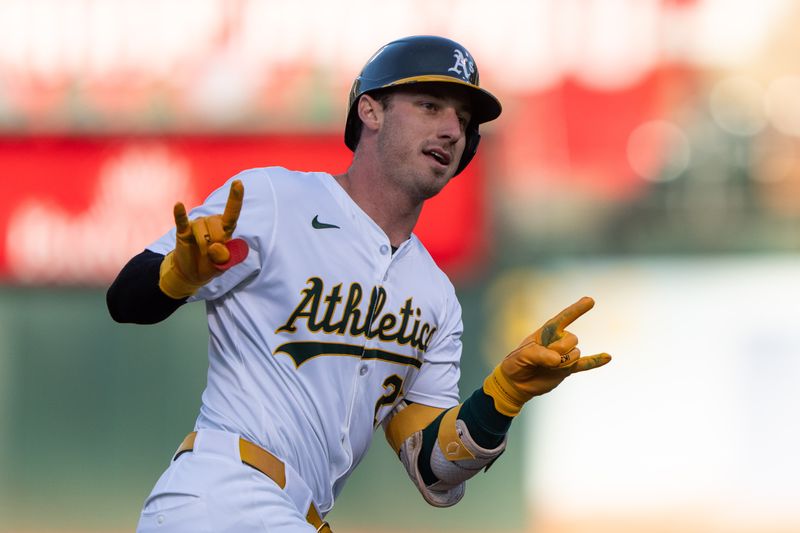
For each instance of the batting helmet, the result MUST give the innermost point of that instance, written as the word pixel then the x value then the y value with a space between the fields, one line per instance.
pixel 423 59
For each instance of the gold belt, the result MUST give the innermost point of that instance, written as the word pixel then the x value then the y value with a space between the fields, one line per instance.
pixel 257 457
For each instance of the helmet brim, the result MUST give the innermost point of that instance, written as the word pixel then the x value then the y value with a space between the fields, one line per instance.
pixel 485 106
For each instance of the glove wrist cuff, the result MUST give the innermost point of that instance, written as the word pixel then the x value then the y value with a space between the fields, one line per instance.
pixel 508 399
pixel 172 282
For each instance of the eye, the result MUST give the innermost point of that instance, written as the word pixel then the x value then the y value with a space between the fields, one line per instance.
pixel 428 105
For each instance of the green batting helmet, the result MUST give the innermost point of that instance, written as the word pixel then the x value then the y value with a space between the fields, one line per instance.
pixel 423 59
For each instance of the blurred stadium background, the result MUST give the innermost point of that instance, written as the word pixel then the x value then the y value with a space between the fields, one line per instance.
pixel 648 155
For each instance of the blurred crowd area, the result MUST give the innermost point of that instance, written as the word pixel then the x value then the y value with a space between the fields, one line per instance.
pixel 630 126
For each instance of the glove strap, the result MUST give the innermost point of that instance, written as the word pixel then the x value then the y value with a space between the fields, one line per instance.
pixel 508 400
pixel 172 282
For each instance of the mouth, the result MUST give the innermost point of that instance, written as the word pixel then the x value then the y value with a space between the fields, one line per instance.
pixel 441 157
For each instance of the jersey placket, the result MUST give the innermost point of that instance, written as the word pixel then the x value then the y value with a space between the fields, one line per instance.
pixel 362 383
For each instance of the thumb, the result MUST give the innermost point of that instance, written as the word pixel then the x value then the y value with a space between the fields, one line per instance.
pixel 218 253
pixel 237 252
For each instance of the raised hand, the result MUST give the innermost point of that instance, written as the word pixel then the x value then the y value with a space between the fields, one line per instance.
pixel 203 247
pixel 541 362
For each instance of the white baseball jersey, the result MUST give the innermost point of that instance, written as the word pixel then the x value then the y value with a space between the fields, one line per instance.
pixel 322 330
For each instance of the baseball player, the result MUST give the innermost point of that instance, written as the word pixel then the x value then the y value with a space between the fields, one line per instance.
pixel 327 318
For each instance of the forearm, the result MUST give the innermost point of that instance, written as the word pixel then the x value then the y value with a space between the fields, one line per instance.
pixel 442 448
pixel 134 296
pixel 486 426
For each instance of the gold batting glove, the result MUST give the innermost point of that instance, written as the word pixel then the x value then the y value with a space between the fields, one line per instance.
pixel 543 360
pixel 203 247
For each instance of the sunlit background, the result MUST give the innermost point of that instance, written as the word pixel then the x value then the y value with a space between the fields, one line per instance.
pixel 648 155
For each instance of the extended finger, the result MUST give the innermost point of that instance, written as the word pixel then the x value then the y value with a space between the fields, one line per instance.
pixel 201 234
pixel 590 362
pixel 233 207
pixel 181 220
pixel 553 329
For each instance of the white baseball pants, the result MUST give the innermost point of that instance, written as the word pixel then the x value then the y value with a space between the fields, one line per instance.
pixel 209 490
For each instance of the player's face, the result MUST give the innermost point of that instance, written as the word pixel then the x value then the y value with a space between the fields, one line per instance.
pixel 423 136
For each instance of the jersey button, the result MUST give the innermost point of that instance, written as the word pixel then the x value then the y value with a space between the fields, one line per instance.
pixel 363 370
pixel 384 249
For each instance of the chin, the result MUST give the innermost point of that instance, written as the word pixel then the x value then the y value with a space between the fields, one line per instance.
pixel 431 189
pixel 446 174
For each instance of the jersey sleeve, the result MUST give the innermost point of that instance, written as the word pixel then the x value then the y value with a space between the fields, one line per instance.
pixel 436 384
pixel 255 225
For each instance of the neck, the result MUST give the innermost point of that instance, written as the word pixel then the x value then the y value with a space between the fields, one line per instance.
pixel 391 208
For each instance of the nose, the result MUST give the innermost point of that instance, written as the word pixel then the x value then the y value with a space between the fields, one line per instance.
pixel 450 125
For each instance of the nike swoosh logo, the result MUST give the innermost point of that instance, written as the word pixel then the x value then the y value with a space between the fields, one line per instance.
pixel 316 224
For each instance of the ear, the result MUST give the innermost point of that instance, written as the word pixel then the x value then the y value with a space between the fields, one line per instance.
pixel 370 111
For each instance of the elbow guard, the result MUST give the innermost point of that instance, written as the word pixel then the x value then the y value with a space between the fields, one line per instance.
pixel 455 457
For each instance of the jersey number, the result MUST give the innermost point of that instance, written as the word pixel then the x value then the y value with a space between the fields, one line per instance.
pixel 392 385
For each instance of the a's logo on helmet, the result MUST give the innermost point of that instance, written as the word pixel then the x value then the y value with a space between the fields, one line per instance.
pixel 464 65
